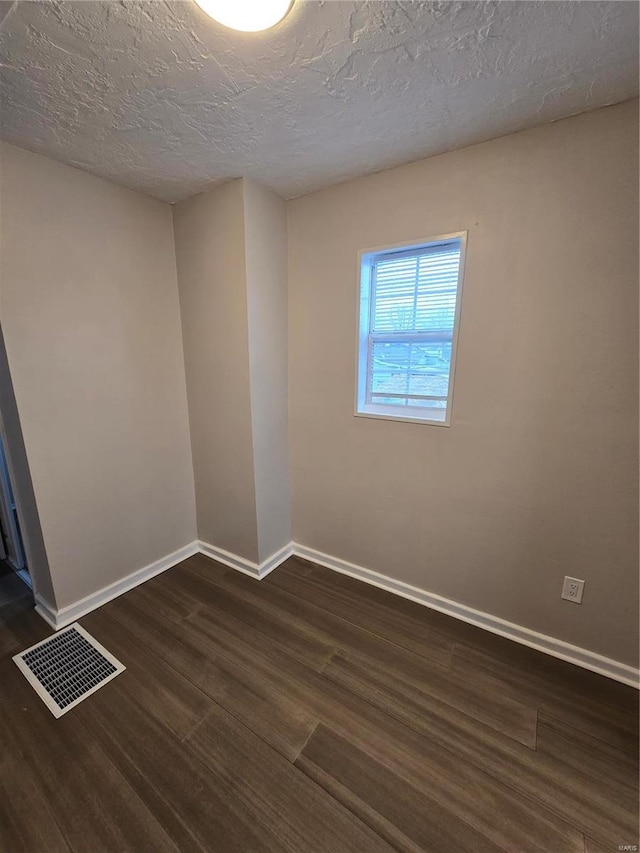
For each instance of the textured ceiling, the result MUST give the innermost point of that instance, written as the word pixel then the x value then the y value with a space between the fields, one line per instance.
pixel 155 96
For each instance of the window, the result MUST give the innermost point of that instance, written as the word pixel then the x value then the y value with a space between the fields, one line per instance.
pixel 409 314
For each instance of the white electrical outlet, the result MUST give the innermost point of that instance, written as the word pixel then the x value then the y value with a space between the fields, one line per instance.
pixel 572 590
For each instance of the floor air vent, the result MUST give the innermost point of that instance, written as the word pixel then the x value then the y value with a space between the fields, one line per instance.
pixel 67 667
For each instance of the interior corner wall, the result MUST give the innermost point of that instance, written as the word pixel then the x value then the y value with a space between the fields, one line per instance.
pixel 537 477
pixel 210 253
pixel 231 252
pixel 90 316
pixel 266 268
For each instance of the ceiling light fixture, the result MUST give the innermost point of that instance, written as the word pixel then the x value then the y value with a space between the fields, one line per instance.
pixel 248 16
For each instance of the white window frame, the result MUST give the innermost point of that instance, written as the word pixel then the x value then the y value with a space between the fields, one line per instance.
pixel 414 414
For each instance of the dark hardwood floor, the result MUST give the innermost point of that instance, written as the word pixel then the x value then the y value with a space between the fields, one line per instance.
pixel 311 712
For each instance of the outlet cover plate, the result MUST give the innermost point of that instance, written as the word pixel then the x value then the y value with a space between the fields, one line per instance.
pixel 572 590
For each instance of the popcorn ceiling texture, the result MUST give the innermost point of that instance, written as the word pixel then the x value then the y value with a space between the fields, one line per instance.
pixel 159 98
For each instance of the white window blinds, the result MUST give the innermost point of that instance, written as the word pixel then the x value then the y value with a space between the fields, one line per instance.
pixel 416 292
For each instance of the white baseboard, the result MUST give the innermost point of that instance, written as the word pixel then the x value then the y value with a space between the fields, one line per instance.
pixel 549 645
pixel 255 570
pixel 66 615
pixel 48 613
pixel 519 634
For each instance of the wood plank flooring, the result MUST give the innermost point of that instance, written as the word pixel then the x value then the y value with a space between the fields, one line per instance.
pixel 311 712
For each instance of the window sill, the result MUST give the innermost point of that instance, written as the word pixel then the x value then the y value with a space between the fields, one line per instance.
pixel 434 417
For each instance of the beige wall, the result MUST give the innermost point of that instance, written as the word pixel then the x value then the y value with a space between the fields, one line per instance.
pixel 89 310
pixel 210 252
pixel 537 477
pixel 266 265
